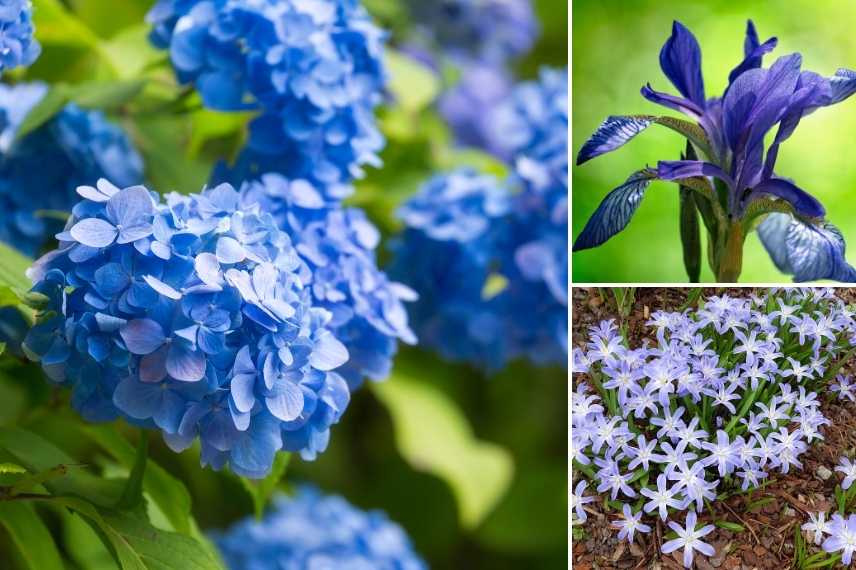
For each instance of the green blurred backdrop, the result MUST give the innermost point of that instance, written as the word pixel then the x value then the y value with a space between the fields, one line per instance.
pixel 615 52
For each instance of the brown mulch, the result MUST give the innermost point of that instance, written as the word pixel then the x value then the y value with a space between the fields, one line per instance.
pixel 769 515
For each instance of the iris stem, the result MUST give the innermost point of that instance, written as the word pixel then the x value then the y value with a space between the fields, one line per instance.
pixel 731 257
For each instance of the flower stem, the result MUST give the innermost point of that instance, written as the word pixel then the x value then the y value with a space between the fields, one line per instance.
pixel 731 258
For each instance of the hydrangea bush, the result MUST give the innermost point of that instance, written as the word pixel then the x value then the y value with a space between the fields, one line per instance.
pixel 311 530
pixel 726 395
pixel 489 258
pixel 75 147
pixel 17 45
pixel 193 315
pixel 312 69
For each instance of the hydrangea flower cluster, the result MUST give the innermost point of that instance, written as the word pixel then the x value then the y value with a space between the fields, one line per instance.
pixel 490 31
pixel 311 530
pixel 313 69
pixel 338 245
pixel 39 173
pixel 192 315
pixel 17 45
pixel 491 267
pixel 728 393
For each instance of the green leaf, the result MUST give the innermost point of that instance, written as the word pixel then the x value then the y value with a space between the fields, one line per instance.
pixel 262 490
pixel 11 468
pixel 132 495
pixel 51 104
pixel 727 525
pixel 30 535
pixel 433 435
pixel 690 235
pixel 130 50
pixel 13 269
pixel 167 492
pixel 55 24
pixel 413 85
pixel 104 94
pixel 39 455
pixel 136 545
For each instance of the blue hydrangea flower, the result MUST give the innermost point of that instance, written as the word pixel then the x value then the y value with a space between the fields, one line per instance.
pixel 490 31
pixel 491 268
pixel 39 173
pixel 313 69
pixel 191 315
pixel 468 107
pixel 338 244
pixel 452 248
pixel 17 45
pixel 731 170
pixel 311 530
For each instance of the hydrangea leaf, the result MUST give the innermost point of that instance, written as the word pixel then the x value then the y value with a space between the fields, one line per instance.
pixel 30 535
pixel 413 85
pixel 433 435
pixel 167 492
pixel 615 211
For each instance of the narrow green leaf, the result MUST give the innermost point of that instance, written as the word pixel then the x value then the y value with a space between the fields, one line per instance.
pixel 105 94
pixel 733 527
pixel 690 235
pixel 413 85
pixel 39 455
pixel 262 490
pixel 30 535
pixel 11 468
pixel 433 435
pixel 132 495
pixel 170 494
pixel 52 103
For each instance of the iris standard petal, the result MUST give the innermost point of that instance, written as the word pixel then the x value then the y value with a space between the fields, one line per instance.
pixel 680 60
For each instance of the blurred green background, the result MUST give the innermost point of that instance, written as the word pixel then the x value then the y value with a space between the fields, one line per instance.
pixel 616 46
pixel 473 467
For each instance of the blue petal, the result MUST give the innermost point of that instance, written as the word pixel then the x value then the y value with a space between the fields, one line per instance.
pixel 680 60
pixel 185 364
pixel 286 403
pixel 808 252
pixel 230 251
pixel 137 399
pixel 94 232
pixel 162 287
pixel 753 52
pixel 843 85
pixel 130 207
pixel 328 353
pixel 253 453
pixel 615 211
pixel 676 169
pixel 614 132
pixel 208 269
pixel 241 387
pixel 142 336
pixel 171 410
pixel 677 103
pixel 803 202
pixel 153 366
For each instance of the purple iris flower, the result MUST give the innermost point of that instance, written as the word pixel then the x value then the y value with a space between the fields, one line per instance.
pixel 728 174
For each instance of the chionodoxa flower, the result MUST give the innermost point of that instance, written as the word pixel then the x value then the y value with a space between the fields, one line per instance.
pixel 727 175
